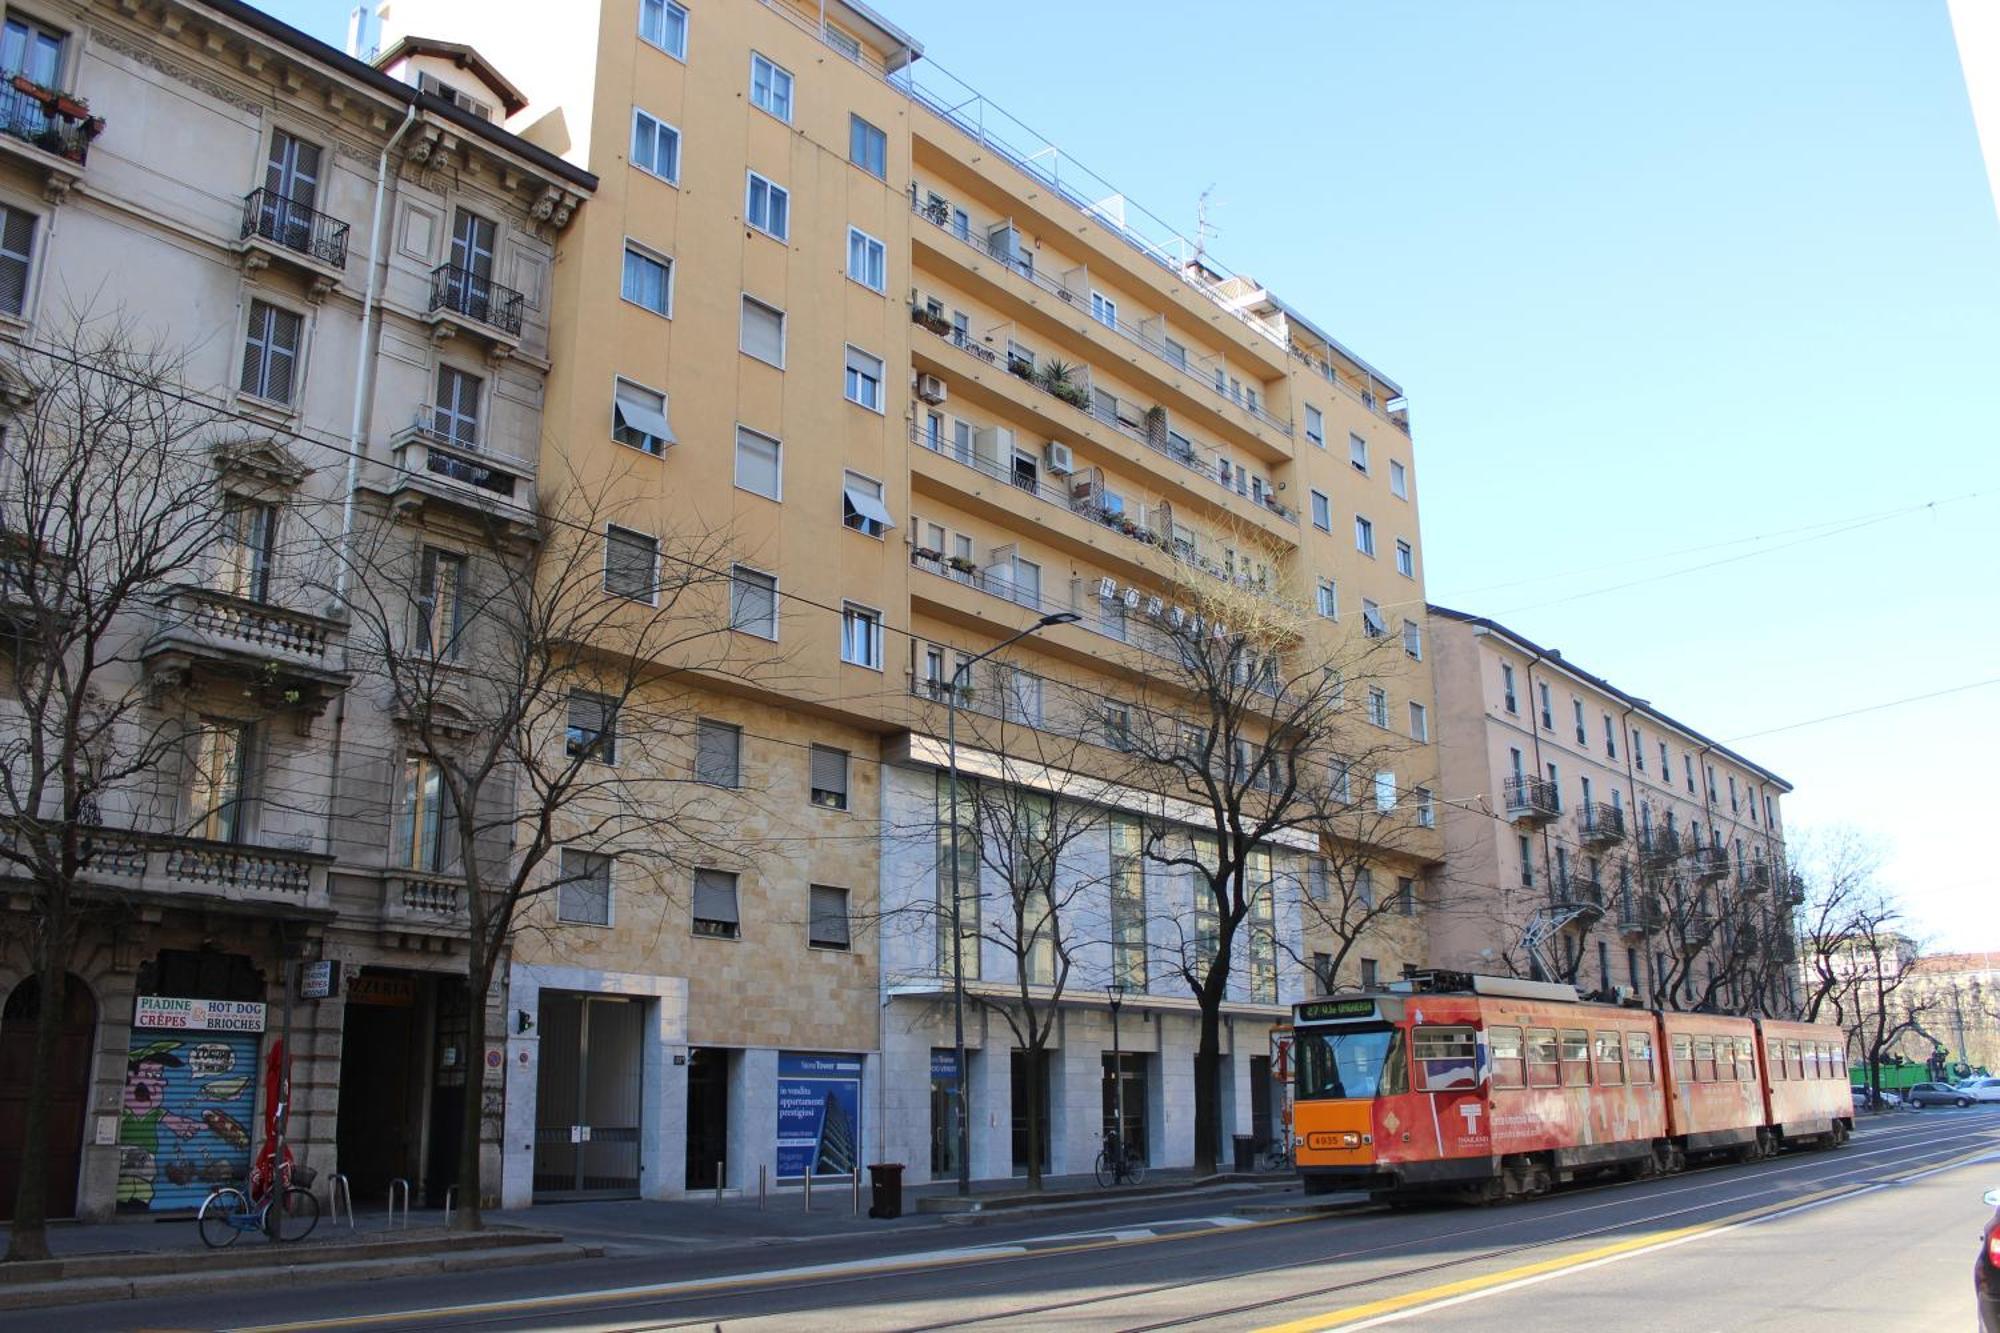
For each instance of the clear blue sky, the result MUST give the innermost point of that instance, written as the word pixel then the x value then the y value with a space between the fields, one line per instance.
pixel 1657 279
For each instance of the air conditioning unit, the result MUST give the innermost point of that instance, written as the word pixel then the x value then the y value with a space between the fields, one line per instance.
pixel 930 388
pixel 1059 458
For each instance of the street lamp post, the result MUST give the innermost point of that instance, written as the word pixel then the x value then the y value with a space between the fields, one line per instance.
pixel 1115 992
pixel 958 678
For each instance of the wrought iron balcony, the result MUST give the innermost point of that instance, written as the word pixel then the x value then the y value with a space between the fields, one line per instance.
pixel 1659 848
pixel 1532 799
pixel 1639 914
pixel 464 297
pixel 1756 878
pixel 1710 863
pixel 447 466
pixel 1603 825
pixel 292 227
pixel 49 120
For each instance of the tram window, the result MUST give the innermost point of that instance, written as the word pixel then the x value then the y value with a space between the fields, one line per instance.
pixel 1704 1059
pixel 1508 1069
pixel 1812 1059
pixel 1796 1059
pixel 1683 1058
pixel 1746 1060
pixel 1447 1059
pixel 1575 1058
pixel 1610 1060
pixel 1542 1070
pixel 1774 1060
pixel 1839 1060
pixel 1639 1056
pixel 1350 1062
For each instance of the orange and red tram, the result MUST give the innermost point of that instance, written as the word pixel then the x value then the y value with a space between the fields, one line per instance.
pixel 1447 1083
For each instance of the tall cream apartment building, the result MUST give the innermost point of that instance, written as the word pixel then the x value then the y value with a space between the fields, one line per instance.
pixel 931 382
pixel 1591 836
pixel 320 245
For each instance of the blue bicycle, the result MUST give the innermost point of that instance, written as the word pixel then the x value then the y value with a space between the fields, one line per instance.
pixel 285 1214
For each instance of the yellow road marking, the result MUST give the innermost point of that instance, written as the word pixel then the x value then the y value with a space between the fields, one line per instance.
pixel 1654 1240
pixel 753 1281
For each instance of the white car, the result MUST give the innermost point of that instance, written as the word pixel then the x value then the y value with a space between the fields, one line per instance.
pixel 1981 1089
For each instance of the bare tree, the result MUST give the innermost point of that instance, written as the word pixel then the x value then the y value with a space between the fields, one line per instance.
pixel 1240 721
pixel 1830 882
pixel 1028 830
pixel 532 674
pixel 108 495
pixel 1872 1001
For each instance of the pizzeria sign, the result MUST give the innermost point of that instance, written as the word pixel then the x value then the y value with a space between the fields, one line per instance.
pixel 160 1011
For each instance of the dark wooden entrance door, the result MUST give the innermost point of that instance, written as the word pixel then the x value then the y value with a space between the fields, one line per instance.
pixel 75 1040
pixel 1260 1101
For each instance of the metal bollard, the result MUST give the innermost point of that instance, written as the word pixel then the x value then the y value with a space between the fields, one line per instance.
pixel 809 1187
pixel 402 1185
pixel 450 1198
pixel 856 1178
pixel 761 1168
pixel 721 1174
pixel 338 1189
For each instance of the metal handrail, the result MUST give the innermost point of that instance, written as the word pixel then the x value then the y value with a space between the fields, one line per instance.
pixel 477 297
pixel 293 226
pixel 941 218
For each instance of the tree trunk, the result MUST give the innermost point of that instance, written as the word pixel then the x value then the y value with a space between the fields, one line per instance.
pixel 1033 1085
pixel 472 1119
pixel 27 1236
pixel 1208 1083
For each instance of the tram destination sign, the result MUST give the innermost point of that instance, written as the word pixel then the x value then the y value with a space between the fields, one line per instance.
pixel 1321 1011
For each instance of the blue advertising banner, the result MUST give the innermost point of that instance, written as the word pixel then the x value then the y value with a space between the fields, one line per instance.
pixel 944 1065
pixel 819 1115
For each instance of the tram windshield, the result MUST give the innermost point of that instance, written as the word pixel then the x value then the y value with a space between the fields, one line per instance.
pixel 1349 1062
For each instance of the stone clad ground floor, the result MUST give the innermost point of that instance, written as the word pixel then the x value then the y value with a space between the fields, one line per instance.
pixel 592 1082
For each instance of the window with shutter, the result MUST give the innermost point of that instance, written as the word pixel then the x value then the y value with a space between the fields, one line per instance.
pixel 630 563
pixel 455 414
pixel 864 379
pixel 593 727
pixel 17 253
pixel 715 904
pixel 829 777
pixel 757 463
pixel 717 753
pixel 639 418
pixel 753 602
pixel 438 603
pixel 763 331
pixel 828 925
pixel 583 895
pixel 270 353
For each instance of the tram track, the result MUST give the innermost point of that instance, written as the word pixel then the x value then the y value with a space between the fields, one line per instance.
pixel 1844 1173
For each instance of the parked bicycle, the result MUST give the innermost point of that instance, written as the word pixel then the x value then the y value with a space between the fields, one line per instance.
pixel 288 1213
pixel 1117 1163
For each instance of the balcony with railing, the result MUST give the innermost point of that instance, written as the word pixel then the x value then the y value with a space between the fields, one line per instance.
pixel 1756 877
pixel 1076 392
pixel 285 231
pixel 1000 582
pixel 999 242
pixel 1709 863
pixel 129 861
pixel 1639 914
pixel 1659 848
pixel 423 901
pixel 47 129
pixel 438 457
pixel 1532 800
pixel 286 657
pixel 1602 825
pixel 465 301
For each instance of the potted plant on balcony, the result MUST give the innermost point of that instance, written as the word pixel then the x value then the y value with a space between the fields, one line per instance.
pixel 1021 368
pixel 1060 378
pixel 926 553
pixel 929 319
pixel 959 564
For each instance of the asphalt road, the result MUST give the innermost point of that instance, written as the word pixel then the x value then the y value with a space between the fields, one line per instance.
pixel 1878 1235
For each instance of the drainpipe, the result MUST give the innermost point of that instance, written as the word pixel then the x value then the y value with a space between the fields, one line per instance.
pixel 361 377
pixel 344 555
